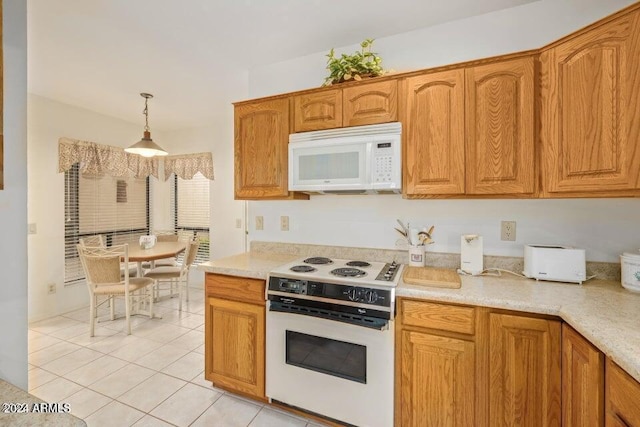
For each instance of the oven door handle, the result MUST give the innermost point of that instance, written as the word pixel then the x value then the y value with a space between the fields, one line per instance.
pixel 357 320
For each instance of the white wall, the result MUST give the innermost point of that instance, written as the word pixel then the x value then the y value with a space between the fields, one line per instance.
pixel 13 199
pixel 604 227
pixel 49 120
pixel 226 239
pixel 529 26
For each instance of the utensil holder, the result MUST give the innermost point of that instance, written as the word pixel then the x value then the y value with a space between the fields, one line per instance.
pixel 416 256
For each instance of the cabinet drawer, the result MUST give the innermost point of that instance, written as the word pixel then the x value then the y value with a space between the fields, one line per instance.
pixel 444 317
pixel 235 288
pixel 623 397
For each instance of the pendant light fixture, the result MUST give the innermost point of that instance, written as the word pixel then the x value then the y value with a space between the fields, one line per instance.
pixel 146 147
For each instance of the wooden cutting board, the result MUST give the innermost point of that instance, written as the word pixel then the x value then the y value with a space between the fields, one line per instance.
pixel 430 276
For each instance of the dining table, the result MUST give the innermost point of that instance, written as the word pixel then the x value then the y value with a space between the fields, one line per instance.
pixel 160 250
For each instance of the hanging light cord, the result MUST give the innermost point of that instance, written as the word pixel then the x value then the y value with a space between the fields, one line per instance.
pixel 146 114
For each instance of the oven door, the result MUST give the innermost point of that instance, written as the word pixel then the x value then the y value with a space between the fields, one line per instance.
pixel 335 369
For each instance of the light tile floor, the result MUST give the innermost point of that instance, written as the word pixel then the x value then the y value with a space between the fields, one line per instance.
pixel 153 377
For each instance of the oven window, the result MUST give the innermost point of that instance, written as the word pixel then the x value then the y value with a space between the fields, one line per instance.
pixel 337 358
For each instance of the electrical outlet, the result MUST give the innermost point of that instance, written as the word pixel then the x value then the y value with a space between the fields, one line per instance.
pixel 508 231
pixel 51 288
pixel 259 222
pixel 284 223
pixel 238 223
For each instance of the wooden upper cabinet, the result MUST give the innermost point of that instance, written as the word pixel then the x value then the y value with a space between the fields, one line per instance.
pixel 370 103
pixel 525 371
pixel 623 398
pixel 433 121
pixel 261 144
pixel 500 102
pixel 318 110
pixel 590 105
pixel 582 381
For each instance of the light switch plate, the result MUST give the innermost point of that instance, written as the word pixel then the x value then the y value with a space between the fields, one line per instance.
pixel 284 223
pixel 32 228
pixel 259 222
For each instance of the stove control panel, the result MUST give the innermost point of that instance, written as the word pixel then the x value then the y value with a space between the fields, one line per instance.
pixel 388 272
pixel 331 291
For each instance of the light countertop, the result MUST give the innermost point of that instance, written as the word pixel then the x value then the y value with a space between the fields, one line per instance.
pixel 249 264
pixel 602 311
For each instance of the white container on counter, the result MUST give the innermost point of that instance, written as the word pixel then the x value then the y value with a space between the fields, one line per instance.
pixel 630 269
pixel 416 256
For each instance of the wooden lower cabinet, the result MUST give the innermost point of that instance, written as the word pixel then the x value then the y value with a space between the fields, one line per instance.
pixel 582 381
pixel 469 366
pixel 438 380
pixel 524 371
pixel 235 336
pixel 438 374
pixel 623 398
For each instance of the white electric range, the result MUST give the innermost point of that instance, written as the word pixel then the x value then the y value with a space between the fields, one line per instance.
pixel 330 338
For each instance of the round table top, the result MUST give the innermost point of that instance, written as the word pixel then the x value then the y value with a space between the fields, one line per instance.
pixel 159 251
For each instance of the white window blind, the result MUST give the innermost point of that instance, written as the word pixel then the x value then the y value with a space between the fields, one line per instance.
pixel 117 208
pixel 190 207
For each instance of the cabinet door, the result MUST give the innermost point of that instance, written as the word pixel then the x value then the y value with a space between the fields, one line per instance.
pixel 315 111
pixel 234 349
pixel 590 104
pixel 623 398
pixel 261 140
pixel 367 104
pixel 500 128
pixel 438 381
pixel 582 381
pixel 433 119
pixel 525 371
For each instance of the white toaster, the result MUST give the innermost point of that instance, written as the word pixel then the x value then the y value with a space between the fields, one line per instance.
pixel 553 262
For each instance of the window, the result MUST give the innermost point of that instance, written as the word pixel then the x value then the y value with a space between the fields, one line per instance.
pixel 190 200
pixel 117 208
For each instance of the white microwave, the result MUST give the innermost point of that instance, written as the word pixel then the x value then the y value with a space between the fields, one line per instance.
pixel 355 160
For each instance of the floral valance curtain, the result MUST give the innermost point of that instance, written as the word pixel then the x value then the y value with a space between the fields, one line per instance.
pixel 186 166
pixel 96 159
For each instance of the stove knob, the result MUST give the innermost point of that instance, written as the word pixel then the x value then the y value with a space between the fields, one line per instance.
pixel 370 296
pixel 353 294
pixel 387 276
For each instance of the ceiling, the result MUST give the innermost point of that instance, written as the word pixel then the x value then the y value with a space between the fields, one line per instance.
pixel 194 55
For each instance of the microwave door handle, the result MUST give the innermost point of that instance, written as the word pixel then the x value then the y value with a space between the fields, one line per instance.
pixel 368 172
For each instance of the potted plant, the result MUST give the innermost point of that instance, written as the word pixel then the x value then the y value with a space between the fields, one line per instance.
pixel 361 64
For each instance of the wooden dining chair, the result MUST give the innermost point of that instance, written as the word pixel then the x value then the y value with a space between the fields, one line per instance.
pixel 179 275
pixel 102 270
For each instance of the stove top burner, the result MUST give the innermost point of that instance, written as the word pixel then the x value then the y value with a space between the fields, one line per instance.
pixel 318 260
pixel 348 272
pixel 358 264
pixel 302 269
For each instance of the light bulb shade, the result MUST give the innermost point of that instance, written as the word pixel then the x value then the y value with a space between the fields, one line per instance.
pixel 146 147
